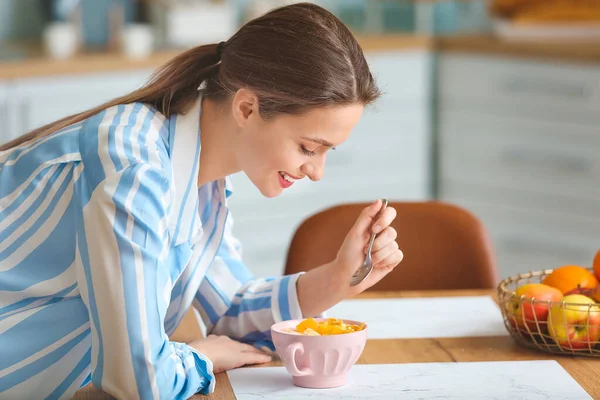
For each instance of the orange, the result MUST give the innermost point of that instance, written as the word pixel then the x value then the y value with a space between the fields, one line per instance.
pixel 571 277
pixel 597 265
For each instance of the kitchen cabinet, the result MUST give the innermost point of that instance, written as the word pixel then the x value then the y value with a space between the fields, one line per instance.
pixel 387 155
pixel 38 101
pixel 519 145
pixel 5 124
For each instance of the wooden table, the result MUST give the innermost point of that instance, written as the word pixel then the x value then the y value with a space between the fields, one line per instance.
pixel 586 371
pixel 501 348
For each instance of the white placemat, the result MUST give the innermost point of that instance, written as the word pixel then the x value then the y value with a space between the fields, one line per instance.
pixel 424 317
pixel 512 380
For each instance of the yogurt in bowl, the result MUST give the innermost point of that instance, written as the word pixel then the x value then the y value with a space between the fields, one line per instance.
pixel 319 352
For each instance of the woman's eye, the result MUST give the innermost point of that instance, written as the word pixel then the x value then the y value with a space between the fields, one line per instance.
pixel 306 151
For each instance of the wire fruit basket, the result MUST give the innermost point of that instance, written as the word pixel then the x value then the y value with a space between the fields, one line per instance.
pixel 557 327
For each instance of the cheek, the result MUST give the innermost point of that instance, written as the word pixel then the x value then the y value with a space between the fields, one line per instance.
pixel 267 148
pixel 281 161
pixel 283 155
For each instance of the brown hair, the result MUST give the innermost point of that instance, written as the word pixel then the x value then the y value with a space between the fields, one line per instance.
pixel 294 58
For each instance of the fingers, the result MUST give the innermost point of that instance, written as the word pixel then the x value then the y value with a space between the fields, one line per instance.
pixel 253 358
pixel 246 348
pixel 252 355
pixel 385 219
pixel 384 252
pixel 366 216
pixel 391 261
pixel 386 237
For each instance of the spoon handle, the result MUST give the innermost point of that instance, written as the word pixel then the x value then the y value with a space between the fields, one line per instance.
pixel 368 260
pixel 373 234
pixel 364 270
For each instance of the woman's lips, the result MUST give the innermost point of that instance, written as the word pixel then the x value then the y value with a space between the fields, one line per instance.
pixel 284 182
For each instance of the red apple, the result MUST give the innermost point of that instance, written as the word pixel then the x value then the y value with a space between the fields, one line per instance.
pixel 529 307
pixel 575 325
pixel 592 293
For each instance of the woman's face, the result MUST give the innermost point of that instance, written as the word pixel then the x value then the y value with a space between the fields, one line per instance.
pixel 276 152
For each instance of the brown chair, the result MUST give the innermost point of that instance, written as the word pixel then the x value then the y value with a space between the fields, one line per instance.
pixel 444 246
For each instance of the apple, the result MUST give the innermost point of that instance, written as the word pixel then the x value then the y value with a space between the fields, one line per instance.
pixel 576 325
pixel 533 307
pixel 592 293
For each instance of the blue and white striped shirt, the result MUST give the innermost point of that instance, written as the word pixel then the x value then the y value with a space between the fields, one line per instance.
pixel 105 242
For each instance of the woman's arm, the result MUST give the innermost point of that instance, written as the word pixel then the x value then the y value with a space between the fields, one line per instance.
pixel 233 303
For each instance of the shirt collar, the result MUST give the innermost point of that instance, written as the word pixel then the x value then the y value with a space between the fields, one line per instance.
pixel 228 187
pixel 184 140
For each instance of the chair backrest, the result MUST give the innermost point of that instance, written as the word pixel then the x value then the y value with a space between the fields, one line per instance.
pixel 444 246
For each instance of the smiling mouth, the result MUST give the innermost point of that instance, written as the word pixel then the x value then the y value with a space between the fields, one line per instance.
pixel 286 180
pixel 288 177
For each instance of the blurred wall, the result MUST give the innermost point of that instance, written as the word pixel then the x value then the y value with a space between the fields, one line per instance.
pixel 20 19
pixel 25 20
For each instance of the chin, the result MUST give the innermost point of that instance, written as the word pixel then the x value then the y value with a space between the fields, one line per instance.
pixel 267 185
pixel 269 191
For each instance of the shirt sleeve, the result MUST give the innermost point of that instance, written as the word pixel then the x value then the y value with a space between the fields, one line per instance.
pixel 233 303
pixel 122 243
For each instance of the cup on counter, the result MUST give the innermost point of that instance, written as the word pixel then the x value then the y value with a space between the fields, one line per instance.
pixel 137 40
pixel 60 40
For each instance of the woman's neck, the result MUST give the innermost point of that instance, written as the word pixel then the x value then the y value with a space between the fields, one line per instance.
pixel 218 134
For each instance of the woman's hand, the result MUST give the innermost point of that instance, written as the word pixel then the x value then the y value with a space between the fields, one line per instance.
pixel 385 252
pixel 227 354
pixel 321 288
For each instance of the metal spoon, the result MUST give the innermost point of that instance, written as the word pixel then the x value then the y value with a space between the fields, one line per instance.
pixel 365 270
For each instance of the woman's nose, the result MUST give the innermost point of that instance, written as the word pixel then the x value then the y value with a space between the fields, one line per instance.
pixel 315 168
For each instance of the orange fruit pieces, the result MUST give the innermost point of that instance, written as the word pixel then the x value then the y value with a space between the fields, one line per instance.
pixel 331 326
pixel 308 323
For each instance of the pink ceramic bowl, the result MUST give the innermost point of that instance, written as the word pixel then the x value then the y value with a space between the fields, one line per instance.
pixel 318 361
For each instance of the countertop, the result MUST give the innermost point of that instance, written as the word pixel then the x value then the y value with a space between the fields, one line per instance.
pixel 36 64
pixel 588 52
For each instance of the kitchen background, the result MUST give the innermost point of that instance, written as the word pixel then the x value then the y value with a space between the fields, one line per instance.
pixel 492 105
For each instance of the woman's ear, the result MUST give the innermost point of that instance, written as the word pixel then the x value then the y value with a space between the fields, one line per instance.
pixel 244 106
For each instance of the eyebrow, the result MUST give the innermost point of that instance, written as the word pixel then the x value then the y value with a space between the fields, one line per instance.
pixel 318 140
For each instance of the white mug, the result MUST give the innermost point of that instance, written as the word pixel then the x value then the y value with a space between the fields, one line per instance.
pixel 60 40
pixel 137 40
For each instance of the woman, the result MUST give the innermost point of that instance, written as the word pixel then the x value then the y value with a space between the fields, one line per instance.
pixel 113 222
